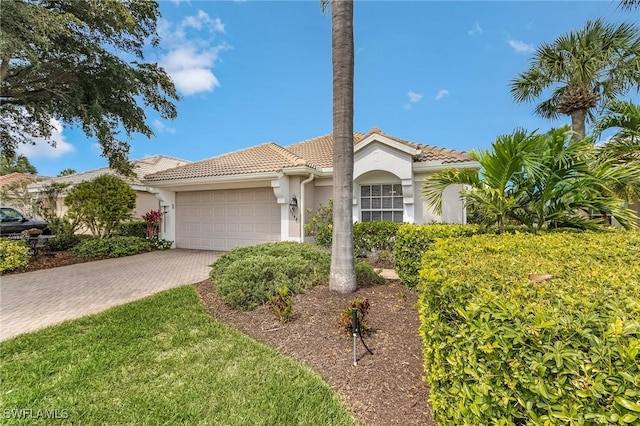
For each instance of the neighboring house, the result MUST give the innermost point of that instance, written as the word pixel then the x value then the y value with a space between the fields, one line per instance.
pixel 14 193
pixel 261 194
pixel 145 198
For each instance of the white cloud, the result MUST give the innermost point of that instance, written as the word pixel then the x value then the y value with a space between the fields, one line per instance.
pixel 42 148
pixel 161 127
pixel 475 30
pixel 202 19
pixel 441 94
pixel 190 60
pixel 521 46
pixel 414 97
pixel 191 69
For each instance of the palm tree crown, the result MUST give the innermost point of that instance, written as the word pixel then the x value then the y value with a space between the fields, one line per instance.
pixel 584 69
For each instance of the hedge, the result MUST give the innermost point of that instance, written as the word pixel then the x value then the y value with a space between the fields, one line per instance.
pixel 503 345
pixel 413 240
pixel 374 236
pixel 112 247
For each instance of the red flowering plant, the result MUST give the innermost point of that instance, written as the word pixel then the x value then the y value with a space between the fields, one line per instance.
pixel 153 219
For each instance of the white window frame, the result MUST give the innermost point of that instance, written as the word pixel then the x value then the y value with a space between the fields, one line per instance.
pixel 381 201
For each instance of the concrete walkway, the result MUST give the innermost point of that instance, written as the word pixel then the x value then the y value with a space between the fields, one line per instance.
pixel 34 300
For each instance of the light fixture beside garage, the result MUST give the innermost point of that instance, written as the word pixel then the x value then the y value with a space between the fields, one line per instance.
pixel 293 207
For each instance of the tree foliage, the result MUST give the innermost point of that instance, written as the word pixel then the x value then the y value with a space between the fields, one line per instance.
pixel 67 172
pixel 101 204
pixel 12 162
pixel 80 62
pixel 584 69
pixel 540 180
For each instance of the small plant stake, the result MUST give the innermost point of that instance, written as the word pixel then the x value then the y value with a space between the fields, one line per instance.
pixel 355 329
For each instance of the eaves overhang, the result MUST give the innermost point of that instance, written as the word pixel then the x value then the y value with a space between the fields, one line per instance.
pixel 435 166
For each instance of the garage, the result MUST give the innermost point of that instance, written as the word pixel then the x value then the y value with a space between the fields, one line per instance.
pixel 224 219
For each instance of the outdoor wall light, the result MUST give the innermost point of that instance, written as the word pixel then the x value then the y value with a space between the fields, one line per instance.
pixel 293 207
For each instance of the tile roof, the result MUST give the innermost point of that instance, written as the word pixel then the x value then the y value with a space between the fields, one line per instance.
pixel 141 167
pixel 16 177
pixel 270 157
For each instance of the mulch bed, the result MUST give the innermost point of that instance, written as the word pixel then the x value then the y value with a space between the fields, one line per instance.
pixel 385 388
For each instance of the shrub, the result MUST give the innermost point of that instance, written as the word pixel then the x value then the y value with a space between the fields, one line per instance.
pixel 246 277
pixel 112 247
pixel 153 220
pixel 132 228
pixel 320 227
pixel 366 275
pixel 412 241
pixel 101 204
pixel 62 242
pixel 160 244
pixel 282 304
pixel 13 254
pixel 505 344
pixel 370 237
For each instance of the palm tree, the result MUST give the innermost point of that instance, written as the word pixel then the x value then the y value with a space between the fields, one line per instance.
pixel 625 144
pixel 343 275
pixel 630 4
pixel 539 180
pixel 584 69
pixel 622 150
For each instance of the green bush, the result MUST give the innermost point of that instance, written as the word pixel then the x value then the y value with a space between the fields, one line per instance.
pixel 320 226
pixel 370 237
pixel 132 228
pixel 13 254
pixel 112 247
pixel 62 242
pixel 503 345
pixel 412 241
pixel 246 277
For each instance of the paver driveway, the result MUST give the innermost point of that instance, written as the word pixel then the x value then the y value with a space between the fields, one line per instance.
pixel 33 300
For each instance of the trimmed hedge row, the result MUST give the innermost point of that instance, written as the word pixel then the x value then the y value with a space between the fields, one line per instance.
pixel 112 247
pixel 374 236
pixel 412 241
pixel 245 277
pixel 503 344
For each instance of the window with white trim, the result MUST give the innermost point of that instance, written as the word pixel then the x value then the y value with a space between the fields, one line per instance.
pixel 381 202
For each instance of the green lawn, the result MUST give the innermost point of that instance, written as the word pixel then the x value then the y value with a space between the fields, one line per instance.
pixel 161 360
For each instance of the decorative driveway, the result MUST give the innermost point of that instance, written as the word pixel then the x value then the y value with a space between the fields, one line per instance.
pixel 33 300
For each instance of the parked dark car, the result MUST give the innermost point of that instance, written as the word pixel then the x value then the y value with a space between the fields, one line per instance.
pixel 14 222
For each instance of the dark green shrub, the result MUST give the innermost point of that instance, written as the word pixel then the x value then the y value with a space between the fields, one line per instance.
pixel 412 241
pixel 112 247
pixel 60 242
pixel 132 228
pixel 13 254
pixel 246 277
pixel 533 329
pixel 371 237
pixel 366 275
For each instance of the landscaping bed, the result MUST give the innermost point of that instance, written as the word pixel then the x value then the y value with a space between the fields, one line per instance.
pixel 385 388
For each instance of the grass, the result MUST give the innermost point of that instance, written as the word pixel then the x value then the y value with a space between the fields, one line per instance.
pixel 161 360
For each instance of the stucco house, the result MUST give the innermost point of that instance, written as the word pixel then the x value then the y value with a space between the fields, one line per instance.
pixel 145 196
pixel 261 194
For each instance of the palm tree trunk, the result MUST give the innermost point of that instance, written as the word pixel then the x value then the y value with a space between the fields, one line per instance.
pixel 343 276
pixel 578 119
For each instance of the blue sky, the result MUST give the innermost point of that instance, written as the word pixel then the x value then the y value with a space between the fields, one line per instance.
pixel 250 72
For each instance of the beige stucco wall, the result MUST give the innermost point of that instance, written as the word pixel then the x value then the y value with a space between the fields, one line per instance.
pixel 145 202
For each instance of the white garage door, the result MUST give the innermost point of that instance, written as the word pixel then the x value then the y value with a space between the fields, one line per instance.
pixel 222 220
